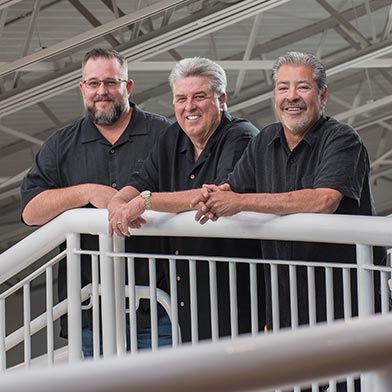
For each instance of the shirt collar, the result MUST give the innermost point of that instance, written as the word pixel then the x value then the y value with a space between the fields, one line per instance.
pixel 311 137
pixel 187 144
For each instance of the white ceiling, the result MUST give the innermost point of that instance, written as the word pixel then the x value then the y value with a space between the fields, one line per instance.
pixel 43 42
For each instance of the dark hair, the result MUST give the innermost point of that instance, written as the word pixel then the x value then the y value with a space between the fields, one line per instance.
pixel 299 58
pixel 107 54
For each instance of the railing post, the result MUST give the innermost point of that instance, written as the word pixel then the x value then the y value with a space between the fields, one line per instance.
pixel 365 296
pixel 119 286
pixel 107 296
pixel 74 298
pixel 365 280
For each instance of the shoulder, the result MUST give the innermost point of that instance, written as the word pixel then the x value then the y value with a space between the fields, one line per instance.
pixel 269 133
pixel 334 129
pixel 151 118
pixel 67 134
pixel 239 126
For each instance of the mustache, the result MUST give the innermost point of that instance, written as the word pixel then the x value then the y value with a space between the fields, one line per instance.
pixel 296 102
pixel 99 98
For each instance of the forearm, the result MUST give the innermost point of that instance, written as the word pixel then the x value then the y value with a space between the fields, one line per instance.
pixel 52 202
pixel 173 201
pixel 125 195
pixel 321 200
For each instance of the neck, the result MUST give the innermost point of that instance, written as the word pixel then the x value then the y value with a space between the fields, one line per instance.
pixel 113 132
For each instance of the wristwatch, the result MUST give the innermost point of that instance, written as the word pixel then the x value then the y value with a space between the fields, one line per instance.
pixel 146 196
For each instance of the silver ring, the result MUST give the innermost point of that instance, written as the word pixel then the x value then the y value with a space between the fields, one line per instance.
pixel 119 223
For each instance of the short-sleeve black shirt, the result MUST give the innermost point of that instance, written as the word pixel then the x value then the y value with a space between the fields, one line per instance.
pixel 331 155
pixel 171 167
pixel 78 154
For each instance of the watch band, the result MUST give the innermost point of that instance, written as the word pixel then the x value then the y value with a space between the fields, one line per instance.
pixel 146 196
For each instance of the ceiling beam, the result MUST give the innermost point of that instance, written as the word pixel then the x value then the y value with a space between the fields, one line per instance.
pixel 89 36
pixel 20 135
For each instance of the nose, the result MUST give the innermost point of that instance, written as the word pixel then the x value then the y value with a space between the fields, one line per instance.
pixel 190 104
pixel 292 94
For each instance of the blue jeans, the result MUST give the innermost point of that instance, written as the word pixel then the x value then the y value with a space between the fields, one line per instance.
pixel 143 337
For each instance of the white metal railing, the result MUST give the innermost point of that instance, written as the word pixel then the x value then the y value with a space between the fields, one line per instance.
pixel 364 232
pixel 244 364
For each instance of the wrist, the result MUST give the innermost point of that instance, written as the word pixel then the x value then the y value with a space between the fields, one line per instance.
pixel 146 198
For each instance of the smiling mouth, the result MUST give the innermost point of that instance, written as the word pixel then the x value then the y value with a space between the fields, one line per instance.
pixel 193 117
pixel 293 109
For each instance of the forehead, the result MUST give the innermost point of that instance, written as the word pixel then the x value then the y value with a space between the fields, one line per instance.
pixel 102 67
pixel 191 85
pixel 293 73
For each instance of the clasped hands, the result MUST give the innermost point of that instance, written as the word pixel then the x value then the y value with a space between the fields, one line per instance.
pixel 213 202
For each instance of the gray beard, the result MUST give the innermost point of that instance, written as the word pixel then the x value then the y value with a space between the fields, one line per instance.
pixel 106 118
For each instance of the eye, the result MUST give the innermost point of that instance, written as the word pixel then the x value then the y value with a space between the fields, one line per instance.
pixel 200 97
pixel 180 100
pixel 92 83
pixel 304 87
pixel 110 83
pixel 282 88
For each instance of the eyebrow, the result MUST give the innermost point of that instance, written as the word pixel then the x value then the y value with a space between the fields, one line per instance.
pixel 297 82
pixel 195 93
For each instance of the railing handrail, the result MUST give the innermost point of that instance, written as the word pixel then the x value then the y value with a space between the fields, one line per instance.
pixel 302 356
pixel 344 229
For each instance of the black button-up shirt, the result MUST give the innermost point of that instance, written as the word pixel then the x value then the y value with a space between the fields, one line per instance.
pixel 171 167
pixel 331 155
pixel 78 154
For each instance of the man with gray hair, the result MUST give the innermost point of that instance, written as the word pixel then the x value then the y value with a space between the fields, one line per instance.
pixel 307 162
pixel 202 147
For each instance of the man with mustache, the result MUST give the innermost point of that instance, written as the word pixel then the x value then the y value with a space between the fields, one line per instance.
pixel 307 162
pixel 86 162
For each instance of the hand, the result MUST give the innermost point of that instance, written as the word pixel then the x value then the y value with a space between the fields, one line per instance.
pixel 123 216
pixel 205 209
pixel 100 195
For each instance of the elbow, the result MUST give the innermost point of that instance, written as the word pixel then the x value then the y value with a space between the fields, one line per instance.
pixel 31 219
pixel 329 202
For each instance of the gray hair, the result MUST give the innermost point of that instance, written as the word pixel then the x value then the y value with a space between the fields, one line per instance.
pixel 299 58
pixel 200 66
pixel 106 53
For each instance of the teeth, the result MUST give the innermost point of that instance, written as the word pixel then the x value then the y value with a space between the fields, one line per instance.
pixel 192 117
pixel 293 109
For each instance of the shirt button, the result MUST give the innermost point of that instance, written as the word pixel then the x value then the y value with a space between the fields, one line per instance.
pixel 178 278
pixel 114 185
pixel 177 252
pixel 192 176
pixel 112 151
pixel 182 304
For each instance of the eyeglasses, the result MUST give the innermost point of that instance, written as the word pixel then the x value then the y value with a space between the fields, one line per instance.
pixel 94 84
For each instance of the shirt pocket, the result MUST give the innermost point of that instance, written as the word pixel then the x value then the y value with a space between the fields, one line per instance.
pixel 138 165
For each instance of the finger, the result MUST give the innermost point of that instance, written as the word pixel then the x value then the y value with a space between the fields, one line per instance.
pixel 119 233
pixel 204 219
pixel 199 213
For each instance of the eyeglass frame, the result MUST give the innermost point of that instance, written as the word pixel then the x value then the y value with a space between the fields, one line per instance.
pixel 118 81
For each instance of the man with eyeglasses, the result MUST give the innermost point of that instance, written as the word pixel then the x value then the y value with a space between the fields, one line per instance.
pixel 86 162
